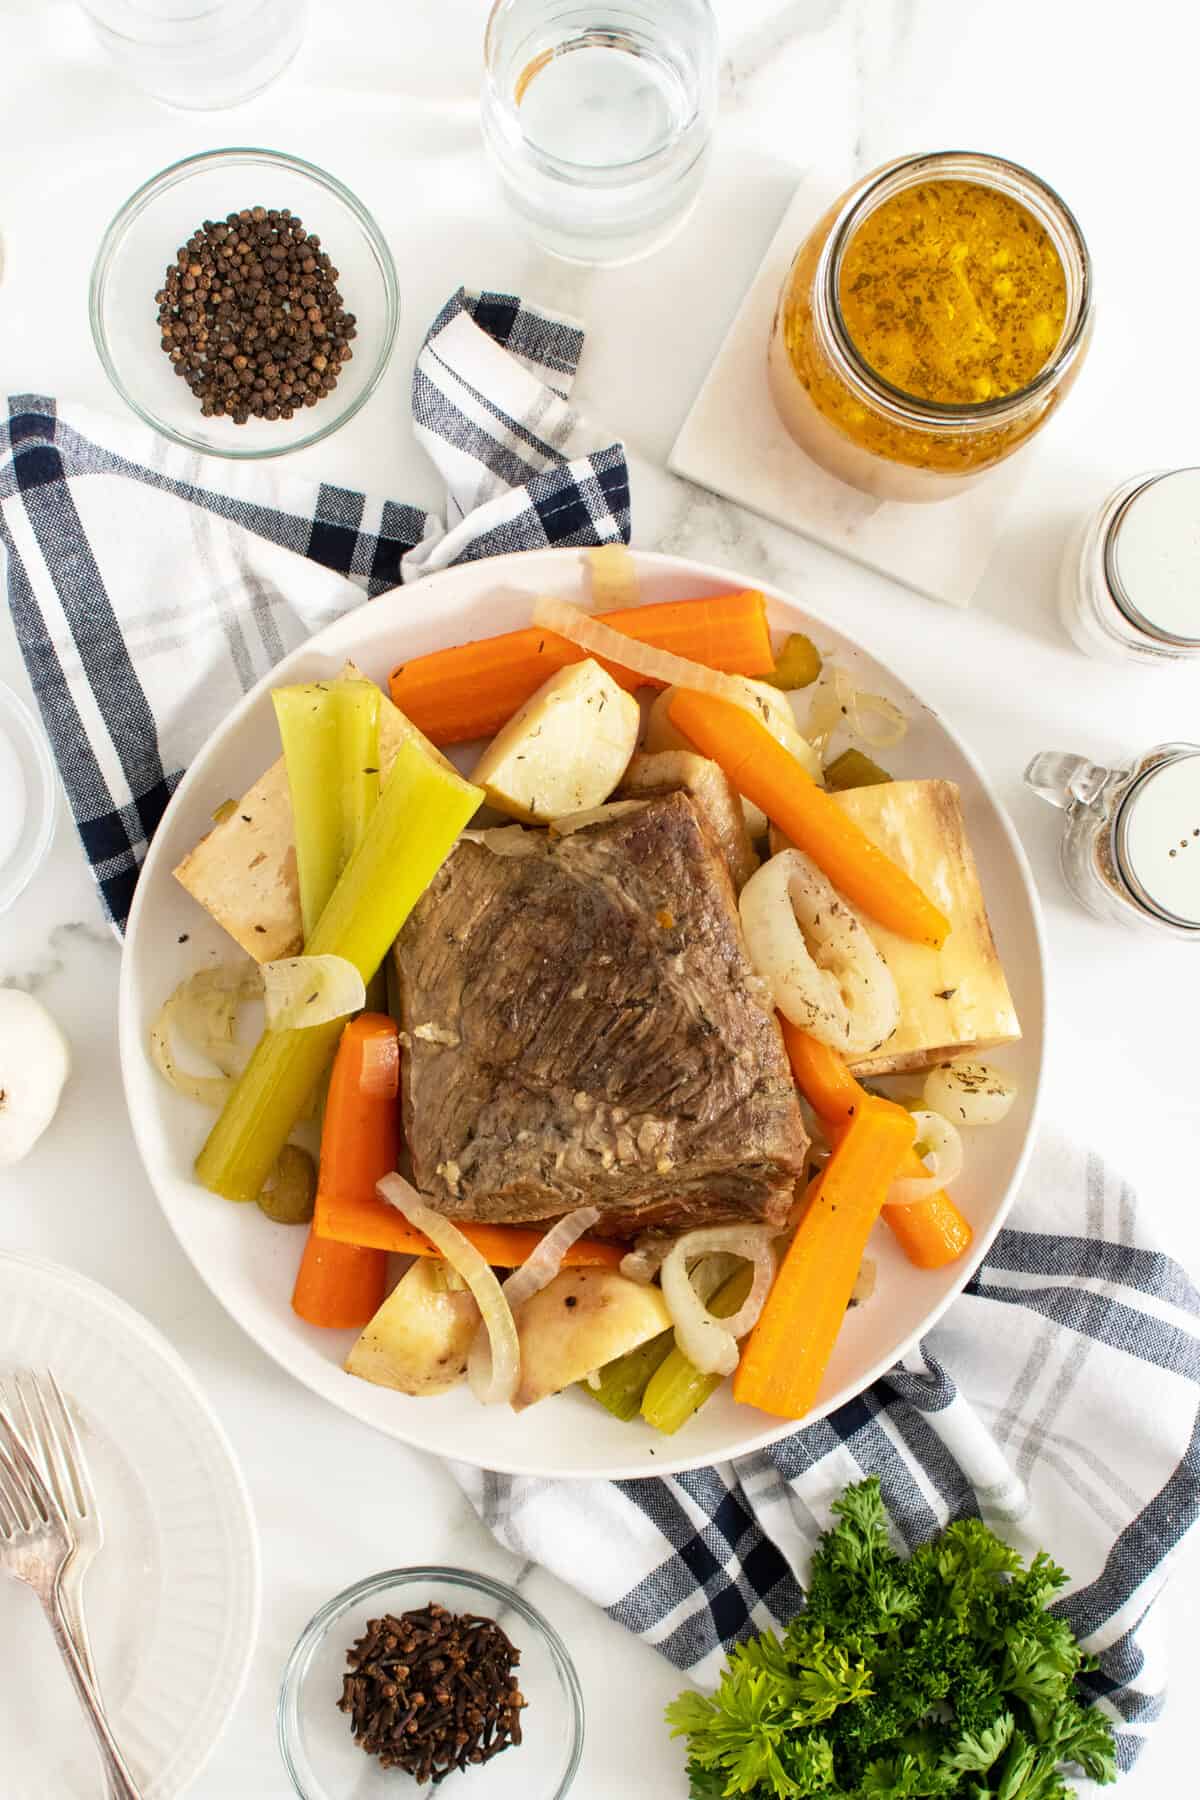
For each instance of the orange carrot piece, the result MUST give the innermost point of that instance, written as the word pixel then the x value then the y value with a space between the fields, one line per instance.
pixel 788 1351
pixel 769 775
pixel 343 1285
pixel 472 690
pixel 368 1220
pixel 931 1232
pixel 340 1286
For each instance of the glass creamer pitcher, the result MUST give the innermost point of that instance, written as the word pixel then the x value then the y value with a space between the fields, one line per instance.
pixel 1131 842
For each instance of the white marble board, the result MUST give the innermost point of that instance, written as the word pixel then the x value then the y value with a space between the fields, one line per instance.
pixel 734 442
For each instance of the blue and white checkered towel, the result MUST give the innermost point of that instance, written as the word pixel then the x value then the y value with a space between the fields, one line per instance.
pixel 151 587
pixel 1057 1399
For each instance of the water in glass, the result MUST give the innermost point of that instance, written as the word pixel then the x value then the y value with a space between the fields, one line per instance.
pixel 600 118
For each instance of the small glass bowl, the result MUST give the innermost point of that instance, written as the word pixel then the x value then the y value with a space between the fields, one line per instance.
pixel 318 1746
pixel 26 766
pixel 143 239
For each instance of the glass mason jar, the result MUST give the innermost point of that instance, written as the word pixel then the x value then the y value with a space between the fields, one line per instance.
pixel 1129 588
pixel 1130 848
pixel 855 423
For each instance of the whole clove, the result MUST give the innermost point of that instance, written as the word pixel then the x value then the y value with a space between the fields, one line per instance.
pixel 433 1691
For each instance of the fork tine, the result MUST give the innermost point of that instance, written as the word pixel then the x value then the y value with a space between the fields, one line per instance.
pixel 41 1439
pixel 30 1485
pixel 73 1451
pixel 12 1491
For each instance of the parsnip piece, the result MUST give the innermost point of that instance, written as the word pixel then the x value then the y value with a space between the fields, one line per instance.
pixel 580 1321
pixel 419 1340
pixel 718 801
pixel 565 750
pixel 953 999
pixel 244 871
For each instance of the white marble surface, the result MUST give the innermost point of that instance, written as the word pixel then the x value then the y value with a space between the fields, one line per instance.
pixel 385 96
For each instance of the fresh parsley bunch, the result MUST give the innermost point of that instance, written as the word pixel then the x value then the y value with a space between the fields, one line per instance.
pixel 942 1675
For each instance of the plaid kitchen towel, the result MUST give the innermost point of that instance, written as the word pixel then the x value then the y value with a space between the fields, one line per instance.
pixel 1057 1400
pixel 151 587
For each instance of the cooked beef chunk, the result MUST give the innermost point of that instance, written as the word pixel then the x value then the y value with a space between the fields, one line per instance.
pixel 583 1026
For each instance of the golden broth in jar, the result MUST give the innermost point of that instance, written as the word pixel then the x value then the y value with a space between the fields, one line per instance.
pixel 929 324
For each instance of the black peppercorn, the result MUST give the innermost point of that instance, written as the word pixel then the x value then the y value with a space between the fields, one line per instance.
pixel 221 316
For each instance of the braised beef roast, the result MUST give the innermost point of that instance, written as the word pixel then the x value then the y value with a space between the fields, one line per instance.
pixel 583 1027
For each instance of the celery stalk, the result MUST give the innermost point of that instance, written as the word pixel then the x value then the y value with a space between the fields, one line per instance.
pixel 308 728
pixel 623 1382
pixel 677 1389
pixel 330 734
pixel 422 808
pixel 357 704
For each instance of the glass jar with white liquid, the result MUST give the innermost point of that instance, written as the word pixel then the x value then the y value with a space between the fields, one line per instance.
pixel 598 115
pixel 1129 588
pixel 1131 839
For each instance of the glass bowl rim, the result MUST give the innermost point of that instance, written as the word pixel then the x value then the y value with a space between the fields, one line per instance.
pixel 175 173
pixel 13 707
pixel 327 1616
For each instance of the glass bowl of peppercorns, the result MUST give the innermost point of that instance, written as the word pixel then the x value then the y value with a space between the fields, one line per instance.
pixel 429 1678
pixel 244 303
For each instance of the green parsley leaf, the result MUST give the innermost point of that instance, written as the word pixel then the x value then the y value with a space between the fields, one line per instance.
pixel 940 1676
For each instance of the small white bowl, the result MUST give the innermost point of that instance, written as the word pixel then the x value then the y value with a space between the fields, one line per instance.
pixel 27 769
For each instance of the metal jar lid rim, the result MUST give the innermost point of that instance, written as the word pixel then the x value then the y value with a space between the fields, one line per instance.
pixel 1116 586
pixel 1120 832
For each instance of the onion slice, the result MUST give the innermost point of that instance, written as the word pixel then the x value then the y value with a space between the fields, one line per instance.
pixel 642 659
pixel 869 717
pixel 536 1272
pixel 203 1010
pixel 543 1264
pixel 300 991
pixel 709 1343
pixel 942 1156
pixel 466 1261
pixel 614 577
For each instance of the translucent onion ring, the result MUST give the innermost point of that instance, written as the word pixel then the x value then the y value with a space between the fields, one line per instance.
pixel 943 1159
pixel 709 1343
pixel 465 1259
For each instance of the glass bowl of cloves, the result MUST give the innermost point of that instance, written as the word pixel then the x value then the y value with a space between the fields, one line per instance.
pixel 441 1675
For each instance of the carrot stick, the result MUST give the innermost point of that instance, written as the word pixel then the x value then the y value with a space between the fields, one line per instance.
pixel 365 1219
pixel 472 690
pixel 766 773
pixel 342 1285
pixel 931 1232
pixel 339 1286
pixel 788 1351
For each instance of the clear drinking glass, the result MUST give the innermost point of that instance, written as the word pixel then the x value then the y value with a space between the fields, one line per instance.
pixel 599 115
pixel 200 54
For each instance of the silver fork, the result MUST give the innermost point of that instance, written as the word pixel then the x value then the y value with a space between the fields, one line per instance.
pixel 36 1544
pixel 50 1437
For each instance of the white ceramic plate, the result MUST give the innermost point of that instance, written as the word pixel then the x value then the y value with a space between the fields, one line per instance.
pixel 173 1597
pixel 250 1264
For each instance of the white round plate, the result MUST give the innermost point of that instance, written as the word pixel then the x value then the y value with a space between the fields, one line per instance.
pixel 250 1263
pixel 173 1597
